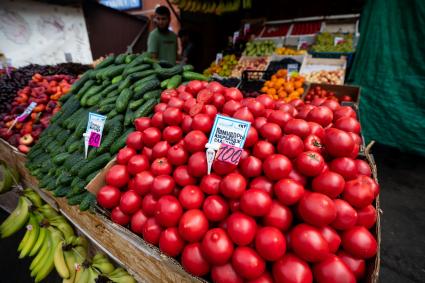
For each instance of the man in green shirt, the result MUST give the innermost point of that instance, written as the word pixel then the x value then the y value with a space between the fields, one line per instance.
pixel 162 42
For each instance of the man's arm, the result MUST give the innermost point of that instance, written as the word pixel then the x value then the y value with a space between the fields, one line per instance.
pixel 153 45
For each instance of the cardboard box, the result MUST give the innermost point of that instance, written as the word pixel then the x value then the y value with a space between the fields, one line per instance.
pixel 311 65
pixel 339 90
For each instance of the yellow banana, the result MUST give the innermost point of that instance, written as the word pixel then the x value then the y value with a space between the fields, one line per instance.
pixel 43 250
pixel 93 274
pixel 40 239
pixel 81 241
pixel 33 197
pixel 24 240
pixel 82 275
pixel 32 239
pixel 60 263
pixel 48 211
pixel 17 219
pixel 49 262
pixel 102 263
pixel 70 260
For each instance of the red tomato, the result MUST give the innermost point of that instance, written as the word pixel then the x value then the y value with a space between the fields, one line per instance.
pixel 308 243
pixel 177 155
pixel 142 123
pixel 310 163
pixel 204 96
pixel 170 242
pixel 266 100
pixel 277 166
pixel 138 220
pixel 292 269
pixel 346 215
pixel 356 138
pixel 225 274
pixel 279 216
pixel 296 102
pixel 193 260
pixel 290 145
pixel 248 263
pixel 191 197
pixel 216 247
pixel 331 104
pixel 195 141
pixel 263 149
pixel 358 193
pixel 219 100
pixel 182 177
pixel 149 205
pixel 160 107
pixel 317 209
pixel 193 225
pixel 168 211
pixel 271 132
pixel 210 110
pixel 162 185
pixel 223 168
pixel 175 102
pixel 151 136
pixel 288 108
pixel 303 111
pixel 255 202
pixel 244 114
pixel 185 95
pixel 137 163
pixel 130 202
pixel 202 122
pixel 321 115
pixel 241 228
pixel 264 278
pixel 359 242
pixel 372 183
pixel 231 106
pixel 119 217
pixel 357 266
pixel 233 185
pixel 108 197
pixel 331 237
pixel 328 183
pixel 251 138
pixel 313 143
pixel 135 140
pixel 363 167
pixel 262 183
pixel 317 101
pixel 188 104
pixel 297 176
pixel 125 154
pixel 215 208
pixel 338 143
pixel 197 164
pixel 215 87
pixel 317 130
pixel 288 191
pixel 366 216
pixel 259 122
pixel 161 166
pixel 233 93
pixel 151 231
pixel 172 134
pixel 333 270
pixel 297 127
pixel 210 184
pixel 187 123
pixel 157 120
pixel 344 111
pixel 256 108
pixel 251 167
pixel 117 176
pixel 279 117
pixel 172 116
pixel 348 124
pixel 344 166
pixel 270 243
pixel 194 86
pixel 143 182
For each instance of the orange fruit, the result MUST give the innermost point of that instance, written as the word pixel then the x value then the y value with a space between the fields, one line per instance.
pixel 271 91
pixel 300 90
pixel 297 84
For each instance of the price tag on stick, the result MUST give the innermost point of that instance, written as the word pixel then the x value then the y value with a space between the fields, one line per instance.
pixel 292 68
pixel 228 136
pixel 93 134
pixel 23 115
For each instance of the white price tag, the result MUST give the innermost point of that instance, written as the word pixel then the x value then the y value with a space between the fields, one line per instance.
pixel 23 115
pixel 338 40
pixel 302 43
pixel 235 37
pixel 218 58
pixel 246 28
pixel 292 68
pixel 93 134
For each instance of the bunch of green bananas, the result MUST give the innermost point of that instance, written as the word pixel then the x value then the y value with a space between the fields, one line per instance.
pixel 52 243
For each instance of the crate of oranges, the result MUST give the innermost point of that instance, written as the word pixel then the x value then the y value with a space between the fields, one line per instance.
pixel 284 87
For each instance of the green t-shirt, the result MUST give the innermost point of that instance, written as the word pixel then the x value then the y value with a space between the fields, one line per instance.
pixel 164 45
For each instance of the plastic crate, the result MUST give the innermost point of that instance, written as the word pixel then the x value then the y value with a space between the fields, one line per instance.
pixel 253 80
pixel 335 55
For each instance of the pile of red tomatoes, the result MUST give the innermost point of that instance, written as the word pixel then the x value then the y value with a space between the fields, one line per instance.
pixel 297 208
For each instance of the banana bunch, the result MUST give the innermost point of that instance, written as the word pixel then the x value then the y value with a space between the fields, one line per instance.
pixel 17 219
pixel 120 275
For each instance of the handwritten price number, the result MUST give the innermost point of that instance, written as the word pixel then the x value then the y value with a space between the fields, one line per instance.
pixel 229 154
pixel 94 139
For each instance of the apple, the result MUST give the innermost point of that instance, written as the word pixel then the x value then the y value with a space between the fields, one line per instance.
pixel 23 148
pixel 26 139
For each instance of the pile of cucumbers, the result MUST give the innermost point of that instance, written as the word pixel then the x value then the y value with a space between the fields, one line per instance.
pixel 123 88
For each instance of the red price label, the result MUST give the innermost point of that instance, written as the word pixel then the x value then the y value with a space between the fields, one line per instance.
pixel 94 139
pixel 229 153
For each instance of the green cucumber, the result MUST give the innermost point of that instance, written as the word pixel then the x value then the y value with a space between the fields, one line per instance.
pixel 145 109
pixel 131 70
pixel 156 93
pixel 190 76
pixel 174 81
pixel 165 73
pixel 188 68
pixel 164 83
pixel 112 114
pixel 95 164
pixel 60 158
pixel 136 103
pixel 120 59
pixel 88 201
pixel 123 100
pixel 129 58
pixel 77 199
pixel 105 62
pixel 116 79
pixel 106 108
pixel 88 84
pixel 78 84
pixel 129 117
pixel 150 85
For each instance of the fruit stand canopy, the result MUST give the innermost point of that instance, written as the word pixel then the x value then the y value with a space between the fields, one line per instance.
pixel 390 68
